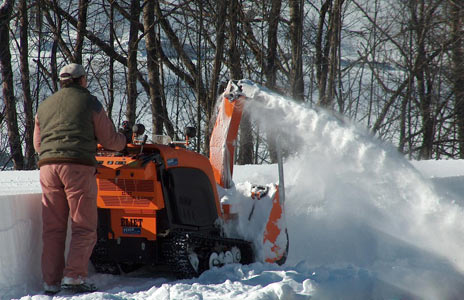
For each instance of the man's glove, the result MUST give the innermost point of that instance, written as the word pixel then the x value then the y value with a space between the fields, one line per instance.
pixel 126 130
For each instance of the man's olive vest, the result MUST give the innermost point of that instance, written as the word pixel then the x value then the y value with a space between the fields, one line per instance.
pixel 66 127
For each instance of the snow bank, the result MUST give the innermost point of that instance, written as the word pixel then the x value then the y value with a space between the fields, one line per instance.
pixel 440 168
pixel 21 243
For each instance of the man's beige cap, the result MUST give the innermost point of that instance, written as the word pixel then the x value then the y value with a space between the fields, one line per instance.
pixel 72 71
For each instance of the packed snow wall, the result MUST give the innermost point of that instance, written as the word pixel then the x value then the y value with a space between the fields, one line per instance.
pixel 20 242
pixel 20 233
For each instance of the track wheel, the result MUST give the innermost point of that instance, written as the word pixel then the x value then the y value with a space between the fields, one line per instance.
pixel 214 260
pixel 228 258
pixel 194 261
pixel 236 254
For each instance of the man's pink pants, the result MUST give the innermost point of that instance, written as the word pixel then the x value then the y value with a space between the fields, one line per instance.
pixel 67 190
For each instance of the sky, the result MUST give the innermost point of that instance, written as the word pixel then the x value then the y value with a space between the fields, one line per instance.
pixel 363 223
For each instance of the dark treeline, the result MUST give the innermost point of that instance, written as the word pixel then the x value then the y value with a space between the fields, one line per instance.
pixel 396 67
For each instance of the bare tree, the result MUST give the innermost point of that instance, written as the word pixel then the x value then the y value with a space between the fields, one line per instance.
pixel 81 25
pixel 9 99
pixel 456 14
pixel 27 97
pixel 221 6
pixel 422 15
pixel 245 153
pixel 110 103
pixel 271 65
pixel 272 44
pixel 132 62
pixel 56 28
pixel 154 80
pixel 296 38
pixel 327 50
pixel 188 72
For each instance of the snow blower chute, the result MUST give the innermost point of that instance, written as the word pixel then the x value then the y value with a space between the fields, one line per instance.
pixel 272 232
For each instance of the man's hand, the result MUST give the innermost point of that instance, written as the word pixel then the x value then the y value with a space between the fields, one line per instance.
pixel 127 131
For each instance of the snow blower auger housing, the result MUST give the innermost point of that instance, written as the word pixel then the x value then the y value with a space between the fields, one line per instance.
pixel 158 205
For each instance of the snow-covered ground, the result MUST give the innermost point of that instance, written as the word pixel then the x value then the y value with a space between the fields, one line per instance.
pixel 363 223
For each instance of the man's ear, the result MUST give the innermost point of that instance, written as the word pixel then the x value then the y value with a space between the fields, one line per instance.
pixel 83 81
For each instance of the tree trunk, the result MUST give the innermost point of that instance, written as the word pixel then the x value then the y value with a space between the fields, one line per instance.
pixel 271 67
pixel 245 153
pixel 81 25
pixel 191 78
pixel 322 63
pixel 56 26
pixel 153 67
pixel 132 62
pixel 421 26
pixel 245 156
pixel 334 45
pixel 217 65
pixel 327 52
pixel 457 53
pixel 39 30
pixel 110 104
pixel 272 44
pixel 56 29
pixel 296 38
pixel 9 100
pixel 25 76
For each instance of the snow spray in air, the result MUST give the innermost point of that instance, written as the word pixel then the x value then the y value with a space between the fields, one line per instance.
pixel 352 200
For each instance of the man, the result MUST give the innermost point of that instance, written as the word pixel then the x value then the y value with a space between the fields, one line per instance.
pixel 68 126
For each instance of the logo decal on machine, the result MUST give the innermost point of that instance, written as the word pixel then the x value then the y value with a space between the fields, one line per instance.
pixel 131 230
pixel 131 225
pixel 172 162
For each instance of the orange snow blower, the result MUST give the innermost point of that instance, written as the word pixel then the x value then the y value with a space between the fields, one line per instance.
pixel 158 204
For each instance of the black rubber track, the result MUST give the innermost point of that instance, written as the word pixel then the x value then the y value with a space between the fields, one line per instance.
pixel 178 245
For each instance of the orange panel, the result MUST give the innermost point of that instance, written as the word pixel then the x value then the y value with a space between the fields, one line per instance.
pixel 222 142
pixel 125 183
pixel 125 224
pixel 272 231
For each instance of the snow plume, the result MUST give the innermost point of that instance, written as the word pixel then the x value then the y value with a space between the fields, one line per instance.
pixel 354 201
